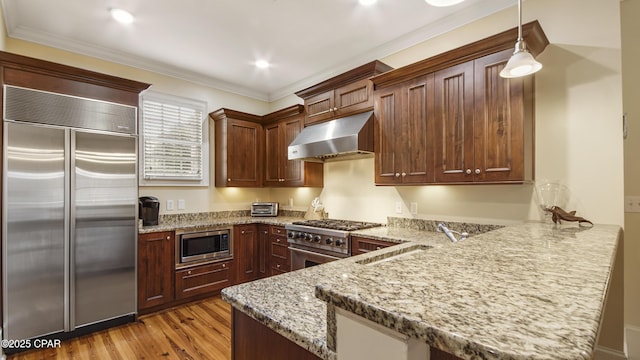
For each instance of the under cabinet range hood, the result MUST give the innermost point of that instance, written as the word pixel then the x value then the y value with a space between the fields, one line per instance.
pixel 337 139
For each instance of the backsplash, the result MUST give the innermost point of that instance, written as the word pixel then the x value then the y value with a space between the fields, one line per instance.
pixel 432 225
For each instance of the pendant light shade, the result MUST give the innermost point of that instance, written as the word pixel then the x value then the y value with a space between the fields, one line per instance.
pixel 441 3
pixel 521 62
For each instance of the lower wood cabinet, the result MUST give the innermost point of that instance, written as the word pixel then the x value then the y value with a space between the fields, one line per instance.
pixel 155 268
pixel 279 259
pixel 245 243
pixel 203 279
pixel 361 245
pixel 263 251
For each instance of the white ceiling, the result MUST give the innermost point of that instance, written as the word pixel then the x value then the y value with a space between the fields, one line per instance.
pixel 216 42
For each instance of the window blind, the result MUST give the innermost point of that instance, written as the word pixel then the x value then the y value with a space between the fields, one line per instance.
pixel 172 141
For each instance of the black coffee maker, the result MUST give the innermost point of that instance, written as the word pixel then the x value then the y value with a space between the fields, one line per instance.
pixel 148 209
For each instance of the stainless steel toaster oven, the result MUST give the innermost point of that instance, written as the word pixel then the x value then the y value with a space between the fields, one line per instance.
pixel 264 209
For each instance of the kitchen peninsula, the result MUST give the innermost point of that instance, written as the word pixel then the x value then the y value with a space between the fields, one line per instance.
pixel 523 291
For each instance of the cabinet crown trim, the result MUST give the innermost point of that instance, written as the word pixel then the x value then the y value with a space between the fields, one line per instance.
pixel 361 72
pixel 224 113
pixel 531 32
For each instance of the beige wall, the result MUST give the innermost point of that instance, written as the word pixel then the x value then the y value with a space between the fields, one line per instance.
pixel 631 89
pixel 578 110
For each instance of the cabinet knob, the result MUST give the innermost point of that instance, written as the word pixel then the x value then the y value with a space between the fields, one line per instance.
pixel 468 171
pixel 378 248
pixel 278 231
pixel 404 174
pixel 277 240
pixel 229 179
pixel 242 232
pixel 335 109
pixel 478 171
pixel 397 174
pixel 168 237
pixel 224 265
pixel 189 272
pixel 278 266
pixel 266 232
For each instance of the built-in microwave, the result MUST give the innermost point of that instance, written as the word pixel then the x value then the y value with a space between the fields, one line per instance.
pixel 201 246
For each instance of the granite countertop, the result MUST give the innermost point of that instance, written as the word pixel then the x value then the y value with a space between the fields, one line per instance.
pixel 523 291
pixel 195 221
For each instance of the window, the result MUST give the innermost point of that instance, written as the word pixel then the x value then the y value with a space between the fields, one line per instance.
pixel 174 142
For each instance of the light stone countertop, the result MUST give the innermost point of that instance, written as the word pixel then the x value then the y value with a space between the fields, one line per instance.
pixel 530 291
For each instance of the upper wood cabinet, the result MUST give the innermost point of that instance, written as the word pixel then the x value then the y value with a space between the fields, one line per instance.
pixel 404 132
pixel 282 128
pixel 239 146
pixel 346 94
pixel 453 119
pixel 484 125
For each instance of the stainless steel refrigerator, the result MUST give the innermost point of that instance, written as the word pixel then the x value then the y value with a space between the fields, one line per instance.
pixel 69 213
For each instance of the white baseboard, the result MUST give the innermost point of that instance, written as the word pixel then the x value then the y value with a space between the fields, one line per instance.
pixel 632 342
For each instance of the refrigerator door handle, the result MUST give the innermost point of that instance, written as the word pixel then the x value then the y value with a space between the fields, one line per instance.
pixel 70 226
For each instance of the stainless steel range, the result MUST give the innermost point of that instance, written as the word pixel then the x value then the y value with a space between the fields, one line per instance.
pixel 314 242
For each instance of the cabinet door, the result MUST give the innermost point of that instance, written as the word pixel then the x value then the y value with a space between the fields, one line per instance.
pixel 417 133
pixel 387 130
pixel 155 268
pixel 319 107
pixel 273 155
pixel 292 174
pixel 203 279
pixel 263 251
pixel 454 110
pixel 245 242
pixel 244 144
pixel 353 98
pixel 498 122
pixel 361 245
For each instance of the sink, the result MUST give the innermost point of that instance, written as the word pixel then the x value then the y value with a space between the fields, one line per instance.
pixel 393 255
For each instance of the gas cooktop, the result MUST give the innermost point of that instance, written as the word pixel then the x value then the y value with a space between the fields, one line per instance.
pixel 333 224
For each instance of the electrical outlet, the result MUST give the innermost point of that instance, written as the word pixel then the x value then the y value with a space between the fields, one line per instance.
pixel 414 208
pixel 181 204
pixel 632 204
pixel 170 205
pixel 398 207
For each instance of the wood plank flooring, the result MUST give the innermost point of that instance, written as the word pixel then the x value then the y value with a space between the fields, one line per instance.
pixel 199 330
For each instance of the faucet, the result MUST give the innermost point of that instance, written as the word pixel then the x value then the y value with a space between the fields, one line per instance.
pixel 442 227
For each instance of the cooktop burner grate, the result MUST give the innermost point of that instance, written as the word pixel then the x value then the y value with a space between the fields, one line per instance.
pixel 344 225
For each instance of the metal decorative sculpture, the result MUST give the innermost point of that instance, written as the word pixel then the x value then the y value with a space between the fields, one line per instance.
pixel 558 214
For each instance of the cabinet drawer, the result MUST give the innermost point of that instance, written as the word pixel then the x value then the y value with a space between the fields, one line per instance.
pixel 280 248
pixel 278 230
pixel 361 245
pixel 279 266
pixel 203 279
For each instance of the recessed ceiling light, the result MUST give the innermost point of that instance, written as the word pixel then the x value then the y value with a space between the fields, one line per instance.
pixel 262 64
pixel 441 3
pixel 367 2
pixel 122 16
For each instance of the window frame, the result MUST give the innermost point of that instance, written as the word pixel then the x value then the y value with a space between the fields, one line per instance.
pixel 169 99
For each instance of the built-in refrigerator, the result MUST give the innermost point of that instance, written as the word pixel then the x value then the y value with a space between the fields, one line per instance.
pixel 69 213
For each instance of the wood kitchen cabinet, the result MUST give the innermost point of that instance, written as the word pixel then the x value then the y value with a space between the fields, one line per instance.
pixel 263 251
pixel 451 119
pixel 483 123
pixel 203 279
pixel 362 245
pixel 155 268
pixel 238 148
pixel 281 129
pixel 404 132
pixel 245 243
pixel 280 258
pixel 346 94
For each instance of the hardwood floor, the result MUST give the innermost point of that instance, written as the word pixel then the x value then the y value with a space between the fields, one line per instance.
pixel 199 330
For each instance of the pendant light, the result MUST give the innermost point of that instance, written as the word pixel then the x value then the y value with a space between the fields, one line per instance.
pixel 521 62
pixel 441 3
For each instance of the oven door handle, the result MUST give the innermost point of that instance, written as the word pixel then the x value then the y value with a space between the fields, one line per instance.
pixel 312 253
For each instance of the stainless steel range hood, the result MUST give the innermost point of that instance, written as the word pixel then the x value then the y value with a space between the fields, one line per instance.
pixel 335 140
